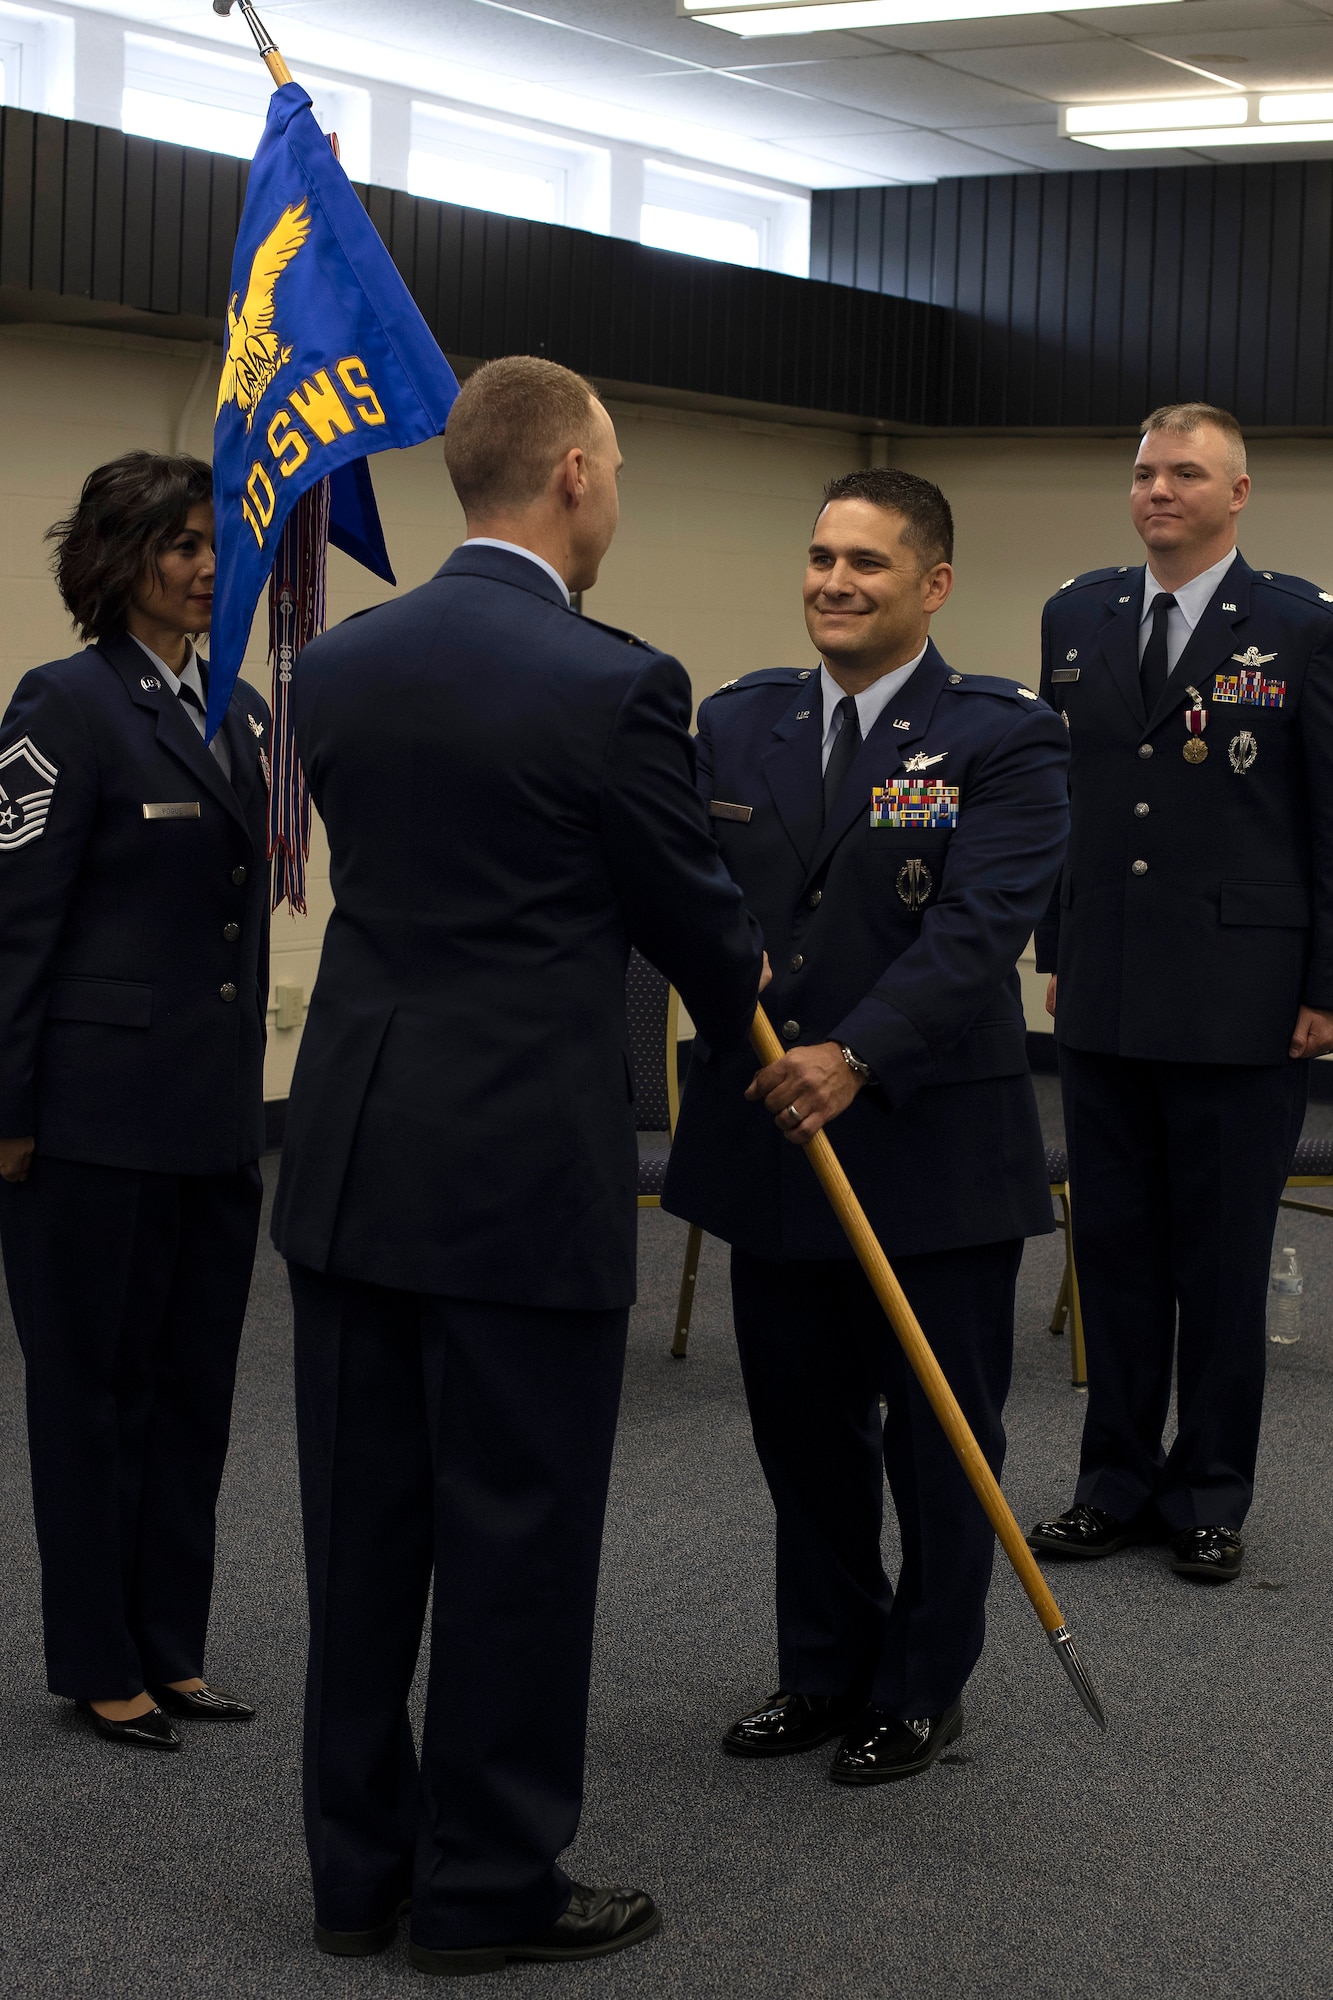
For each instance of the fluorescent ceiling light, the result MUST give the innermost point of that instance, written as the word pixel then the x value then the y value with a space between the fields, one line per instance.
pixel 1288 118
pixel 1295 106
pixel 1217 135
pixel 821 17
pixel 1083 119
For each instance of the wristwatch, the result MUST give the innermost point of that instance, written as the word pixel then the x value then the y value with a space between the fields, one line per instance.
pixel 856 1066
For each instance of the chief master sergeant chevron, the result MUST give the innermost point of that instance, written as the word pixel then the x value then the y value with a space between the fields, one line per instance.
pixel 897 829
pixel 1193 939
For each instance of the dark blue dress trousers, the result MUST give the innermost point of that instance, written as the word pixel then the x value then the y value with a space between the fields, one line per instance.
pixel 128 1291
pixel 817 1354
pixel 465 1443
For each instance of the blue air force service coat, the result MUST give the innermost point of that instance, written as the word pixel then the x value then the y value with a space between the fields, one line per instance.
pixel 895 929
pixel 133 920
pixel 508 790
pixel 1195 910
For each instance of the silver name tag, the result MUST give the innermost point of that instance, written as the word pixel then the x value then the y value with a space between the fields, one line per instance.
pixel 1065 673
pixel 719 809
pixel 174 809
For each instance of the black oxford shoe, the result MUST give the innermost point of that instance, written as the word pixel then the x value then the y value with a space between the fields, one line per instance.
pixel 790 1722
pixel 881 1747
pixel 205 1704
pixel 597 1921
pixel 362 1944
pixel 146 1732
pixel 1216 1553
pixel 1083 1531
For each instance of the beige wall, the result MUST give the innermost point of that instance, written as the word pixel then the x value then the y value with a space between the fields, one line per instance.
pixel 715 515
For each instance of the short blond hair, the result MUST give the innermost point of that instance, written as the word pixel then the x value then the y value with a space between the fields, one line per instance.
pixel 1182 418
pixel 512 422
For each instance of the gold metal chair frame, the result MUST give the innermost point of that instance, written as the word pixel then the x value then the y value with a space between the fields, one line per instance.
pixel 694 1241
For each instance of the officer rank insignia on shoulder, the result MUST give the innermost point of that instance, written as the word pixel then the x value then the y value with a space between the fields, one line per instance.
pixel 27 780
pixel 920 803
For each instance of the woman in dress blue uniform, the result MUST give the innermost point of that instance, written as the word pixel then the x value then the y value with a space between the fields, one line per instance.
pixel 133 991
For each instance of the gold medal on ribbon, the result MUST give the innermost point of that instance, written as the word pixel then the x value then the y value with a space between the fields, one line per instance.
pixel 1195 749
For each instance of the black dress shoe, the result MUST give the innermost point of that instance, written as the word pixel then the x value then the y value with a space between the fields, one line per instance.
pixel 205 1704
pixel 1084 1531
pixel 597 1921
pixel 362 1944
pixel 790 1722
pixel 1216 1553
pixel 881 1747
pixel 146 1732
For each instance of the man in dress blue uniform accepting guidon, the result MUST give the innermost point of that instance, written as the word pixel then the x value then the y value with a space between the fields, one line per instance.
pixel 897 828
pixel 1190 950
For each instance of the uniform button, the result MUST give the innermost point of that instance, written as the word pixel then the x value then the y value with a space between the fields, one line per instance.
pixel 816 898
pixel 1141 810
pixel 1145 749
pixel 232 931
pixel 228 992
pixel 1140 868
pixel 791 1029
pixel 238 876
pixel 797 962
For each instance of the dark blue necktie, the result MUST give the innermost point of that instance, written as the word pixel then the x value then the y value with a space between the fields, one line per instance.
pixel 1153 669
pixel 841 757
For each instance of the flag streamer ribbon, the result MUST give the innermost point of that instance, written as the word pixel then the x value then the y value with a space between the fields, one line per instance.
pixel 297 611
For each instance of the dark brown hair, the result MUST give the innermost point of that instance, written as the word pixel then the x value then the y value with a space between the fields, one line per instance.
pixel 127 513
pixel 512 422
pixel 929 529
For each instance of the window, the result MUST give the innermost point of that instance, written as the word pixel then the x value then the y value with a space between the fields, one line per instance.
pixel 700 235
pixel 481 163
pixel 732 221
pixel 220 102
pixel 37 61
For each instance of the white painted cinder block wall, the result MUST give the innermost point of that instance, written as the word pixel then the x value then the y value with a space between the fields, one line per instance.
pixel 715 516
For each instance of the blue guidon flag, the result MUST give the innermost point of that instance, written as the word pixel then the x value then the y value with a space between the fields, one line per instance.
pixel 327 360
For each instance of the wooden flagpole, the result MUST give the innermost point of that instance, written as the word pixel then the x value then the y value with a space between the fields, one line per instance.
pixel 930 1375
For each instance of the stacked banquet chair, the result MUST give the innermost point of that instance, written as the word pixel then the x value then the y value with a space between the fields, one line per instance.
pixel 653 1012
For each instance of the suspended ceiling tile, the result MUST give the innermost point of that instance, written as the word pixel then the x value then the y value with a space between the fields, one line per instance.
pixel 915 156
pixel 1072 71
pixel 924 93
pixel 737 105
pixel 1277 59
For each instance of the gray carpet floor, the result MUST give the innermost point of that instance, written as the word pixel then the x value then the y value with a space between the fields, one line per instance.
pixel 1186 1854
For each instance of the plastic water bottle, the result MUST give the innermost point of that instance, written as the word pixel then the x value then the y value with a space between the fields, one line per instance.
pixel 1285 1286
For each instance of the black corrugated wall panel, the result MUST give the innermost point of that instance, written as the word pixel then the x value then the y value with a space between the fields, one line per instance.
pixel 95 216
pixel 1084 299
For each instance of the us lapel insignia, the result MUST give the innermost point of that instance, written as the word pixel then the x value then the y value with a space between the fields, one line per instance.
pixel 148 682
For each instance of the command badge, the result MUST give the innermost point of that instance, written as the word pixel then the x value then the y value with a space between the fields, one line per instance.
pixel 915 883
pixel 27 780
pixel 1242 750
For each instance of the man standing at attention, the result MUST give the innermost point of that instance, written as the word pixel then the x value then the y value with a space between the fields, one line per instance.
pixel 897 828
pixel 508 792
pixel 1193 942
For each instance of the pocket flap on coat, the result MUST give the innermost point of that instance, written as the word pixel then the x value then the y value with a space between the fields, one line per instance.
pixel 117 1003
pixel 1277 905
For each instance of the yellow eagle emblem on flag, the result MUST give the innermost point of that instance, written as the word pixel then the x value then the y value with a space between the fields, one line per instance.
pixel 254 351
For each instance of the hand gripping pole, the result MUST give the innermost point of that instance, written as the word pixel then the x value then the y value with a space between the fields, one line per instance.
pixel 930 1375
